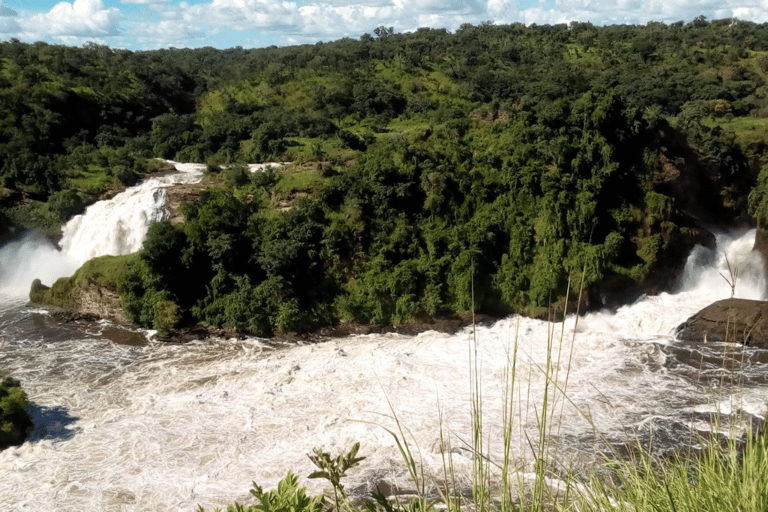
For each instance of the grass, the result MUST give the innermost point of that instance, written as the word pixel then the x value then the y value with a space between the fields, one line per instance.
pixel 306 149
pixel 747 129
pixel 91 180
pixel 299 181
pixel 730 478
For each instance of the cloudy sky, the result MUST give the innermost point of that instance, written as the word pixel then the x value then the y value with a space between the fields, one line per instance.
pixel 150 24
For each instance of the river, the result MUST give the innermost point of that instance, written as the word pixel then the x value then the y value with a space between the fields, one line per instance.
pixel 127 423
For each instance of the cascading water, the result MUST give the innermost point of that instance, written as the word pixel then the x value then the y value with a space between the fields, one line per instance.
pixel 143 425
pixel 113 227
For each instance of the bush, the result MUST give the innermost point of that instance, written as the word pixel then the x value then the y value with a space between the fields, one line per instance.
pixel 288 497
pixel 65 204
pixel 266 178
pixel 14 420
pixel 126 176
pixel 236 175
pixel 166 316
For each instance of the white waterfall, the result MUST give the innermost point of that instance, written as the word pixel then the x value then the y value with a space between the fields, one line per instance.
pixel 116 226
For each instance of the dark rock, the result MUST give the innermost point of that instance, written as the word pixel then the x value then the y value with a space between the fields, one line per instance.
pixel 698 184
pixel 37 291
pixel 761 245
pixel 730 320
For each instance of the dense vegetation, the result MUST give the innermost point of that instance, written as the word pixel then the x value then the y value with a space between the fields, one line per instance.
pixel 14 420
pixel 429 172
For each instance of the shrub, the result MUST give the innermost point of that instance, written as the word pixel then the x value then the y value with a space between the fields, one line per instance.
pixel 65 204
pixel 236 175
pixel 14 420
pixel 288 497
pixel 166 316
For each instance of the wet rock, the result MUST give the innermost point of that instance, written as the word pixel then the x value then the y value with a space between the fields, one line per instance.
pixel 761 245
pixel 37 291
pixel 730 320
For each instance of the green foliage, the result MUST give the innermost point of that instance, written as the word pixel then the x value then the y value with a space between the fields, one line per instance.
pixel 288 497
pixel 334 469
pixel 266 178
pixel 236 175
pixel 166 316
pixel 14 420
pixel 65 204
pixel 432 172
pixel 758 198
pixel 109 272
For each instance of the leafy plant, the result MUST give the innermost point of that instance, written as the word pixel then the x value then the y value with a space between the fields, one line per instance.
pixel 334 469
pixel 288 497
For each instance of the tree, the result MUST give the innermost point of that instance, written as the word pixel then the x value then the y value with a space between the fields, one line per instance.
pixel 384 32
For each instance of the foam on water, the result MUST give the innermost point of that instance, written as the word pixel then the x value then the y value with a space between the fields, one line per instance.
pixel 168 427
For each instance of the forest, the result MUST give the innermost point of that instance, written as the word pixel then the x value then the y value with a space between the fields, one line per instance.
pixel 499 168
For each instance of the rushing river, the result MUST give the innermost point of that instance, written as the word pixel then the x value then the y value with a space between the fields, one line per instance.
pixel 126 423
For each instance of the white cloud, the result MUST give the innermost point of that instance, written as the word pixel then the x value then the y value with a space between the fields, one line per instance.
pixel 9 26
pixel 751 13
pixel 159 23
pixel 244 14
pixel 170 33
pixel 80 19
pixel 147 2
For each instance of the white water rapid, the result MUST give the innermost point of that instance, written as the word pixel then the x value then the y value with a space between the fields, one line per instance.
pixel 125 424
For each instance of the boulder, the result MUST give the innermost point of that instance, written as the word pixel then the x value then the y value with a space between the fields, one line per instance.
pixel 729 320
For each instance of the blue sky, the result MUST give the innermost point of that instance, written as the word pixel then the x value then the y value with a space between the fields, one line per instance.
pixel 151 24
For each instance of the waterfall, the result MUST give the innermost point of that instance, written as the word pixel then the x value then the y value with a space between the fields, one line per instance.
pixel 112 227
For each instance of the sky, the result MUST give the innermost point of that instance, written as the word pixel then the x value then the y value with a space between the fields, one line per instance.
pixel 152 24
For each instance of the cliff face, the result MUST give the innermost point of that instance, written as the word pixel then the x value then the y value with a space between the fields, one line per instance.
pixel 183 193
pixel 700 194
pixel 93 299
pixel 761 244
pixel 92 291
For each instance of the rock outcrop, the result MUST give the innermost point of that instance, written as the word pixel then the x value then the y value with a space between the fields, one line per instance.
pixel 183 193
pixel 761 245
pixel 92 299
pixel 87 300
pixel 729 320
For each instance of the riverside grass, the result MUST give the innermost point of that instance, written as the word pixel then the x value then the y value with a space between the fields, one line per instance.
pixel 716 476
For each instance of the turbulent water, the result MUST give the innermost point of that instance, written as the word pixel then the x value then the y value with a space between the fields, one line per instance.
pixel 126 423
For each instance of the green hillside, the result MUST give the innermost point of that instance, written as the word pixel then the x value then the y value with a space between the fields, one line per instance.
pixel 429 173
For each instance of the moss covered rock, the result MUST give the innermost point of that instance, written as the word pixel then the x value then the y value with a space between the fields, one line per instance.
pixel 15 423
